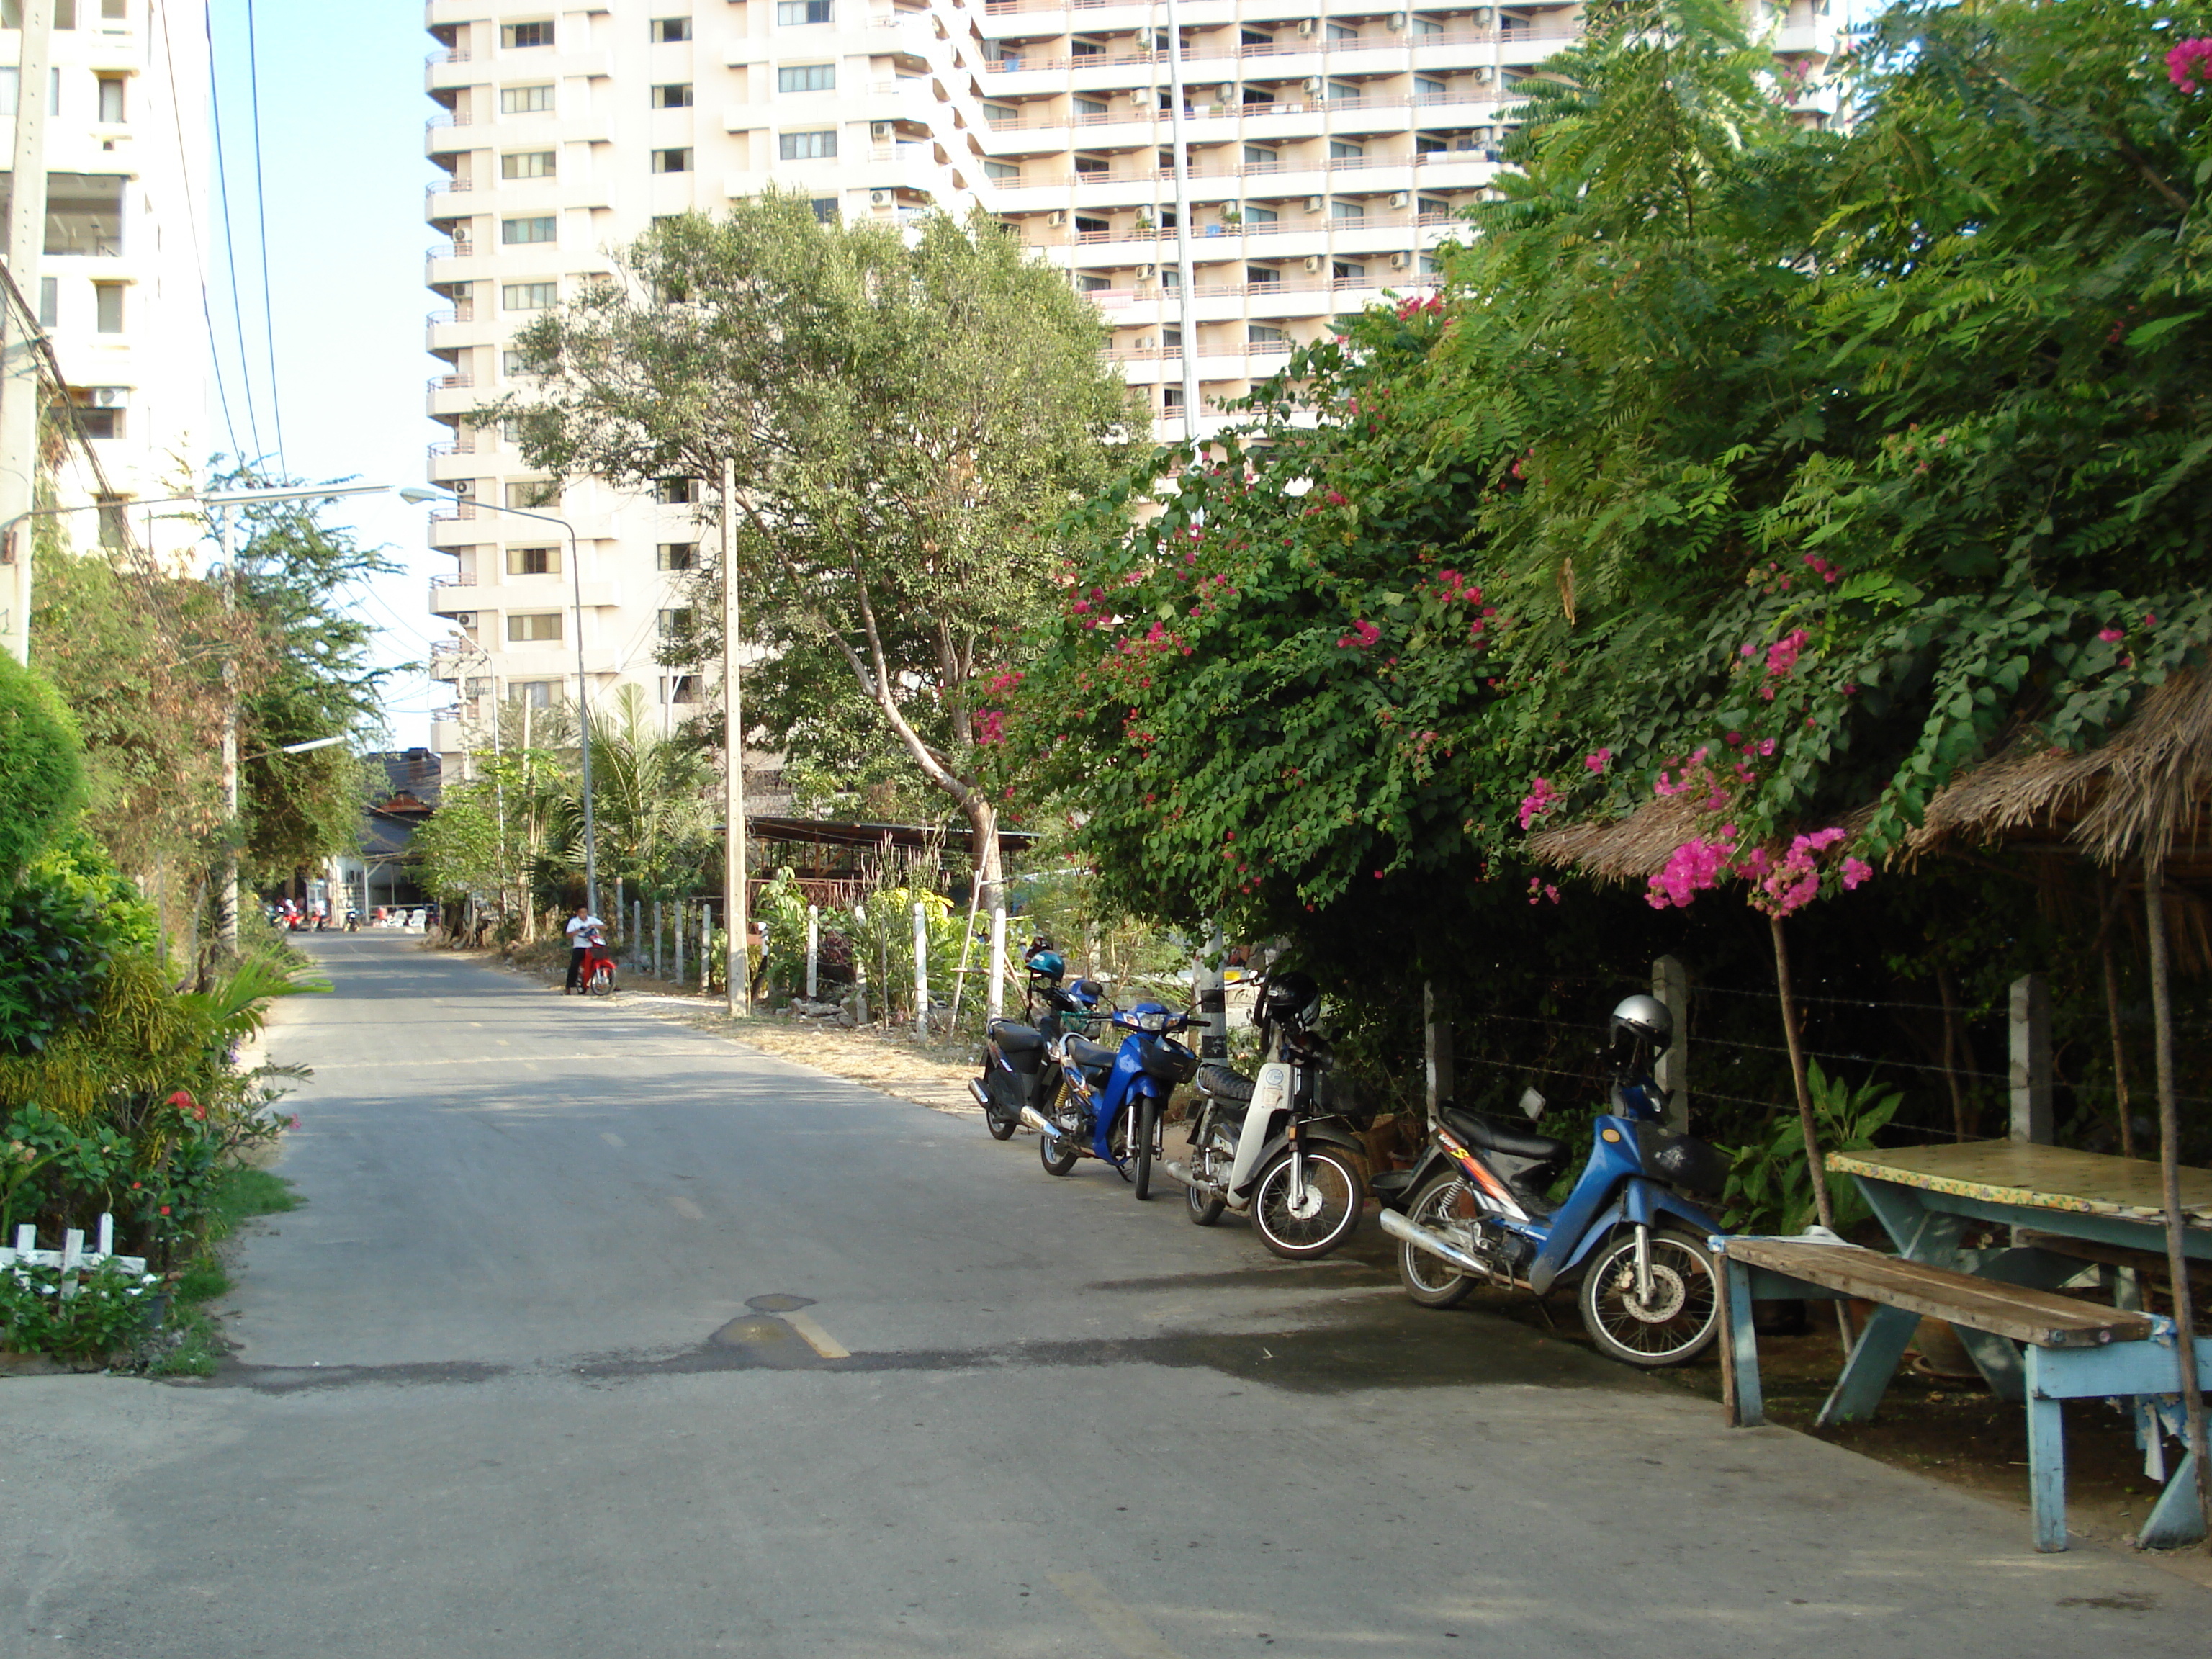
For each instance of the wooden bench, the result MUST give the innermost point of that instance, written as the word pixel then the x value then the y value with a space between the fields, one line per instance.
pixel 2075 1350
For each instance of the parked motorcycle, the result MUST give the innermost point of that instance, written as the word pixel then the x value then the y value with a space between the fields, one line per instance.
pixel 1272 1147
pixel 1019 1069
pixel 1629 1234
pixel 1111 1106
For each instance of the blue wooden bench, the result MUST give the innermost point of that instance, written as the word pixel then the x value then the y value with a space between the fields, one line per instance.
pixel 2073 1350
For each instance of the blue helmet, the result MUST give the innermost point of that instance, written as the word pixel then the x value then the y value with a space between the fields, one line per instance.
pixel 1086 992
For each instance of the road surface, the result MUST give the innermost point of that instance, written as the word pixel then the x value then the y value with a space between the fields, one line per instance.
pixel 599 1336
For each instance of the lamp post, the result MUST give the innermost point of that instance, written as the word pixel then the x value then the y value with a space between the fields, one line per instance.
pixel 468 649
pixel 418 495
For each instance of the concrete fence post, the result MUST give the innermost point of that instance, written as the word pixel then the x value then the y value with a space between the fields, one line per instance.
pixel 1437 1044
pixel 656 939
pixel 921 970
pixel 1670 984
pixel 813 949
pixel 2031 1060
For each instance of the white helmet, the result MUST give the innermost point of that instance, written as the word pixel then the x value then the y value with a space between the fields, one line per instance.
pixel 1642 1018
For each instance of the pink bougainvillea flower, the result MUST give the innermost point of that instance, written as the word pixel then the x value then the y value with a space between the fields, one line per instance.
pixel 1540 800
pixel 1782 655
pixel 1598 759
pixel 1856 870
pixel 2189 61
pixel 2110 635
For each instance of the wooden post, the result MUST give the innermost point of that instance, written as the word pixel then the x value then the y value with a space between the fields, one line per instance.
pixel 967 947
pixel 2031 1060
pixel 1437 1049
pixel 2110 892
pixel 2169 1166
pixel 1670 984
pixel 1954 1042
pixel 813 949
pixel 1815 1168
pixel 920 972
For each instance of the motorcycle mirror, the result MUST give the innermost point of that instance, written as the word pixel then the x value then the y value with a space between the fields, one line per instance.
pixel 1532 1105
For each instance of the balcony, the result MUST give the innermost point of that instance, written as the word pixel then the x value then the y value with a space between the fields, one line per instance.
pixel 1200 54
pixel 452 595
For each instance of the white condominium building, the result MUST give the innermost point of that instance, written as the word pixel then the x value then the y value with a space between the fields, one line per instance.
pixel 1328 152
pixel 119 288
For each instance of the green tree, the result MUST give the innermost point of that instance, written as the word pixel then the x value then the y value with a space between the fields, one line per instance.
pixel 908 410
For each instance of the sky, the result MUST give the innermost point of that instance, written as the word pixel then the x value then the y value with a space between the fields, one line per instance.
pixel 341 178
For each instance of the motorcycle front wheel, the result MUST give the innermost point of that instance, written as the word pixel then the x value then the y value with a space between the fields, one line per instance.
pixel 1332 1198
pixel 1148 1129
pixel 1676 1324
pixel 1428 1279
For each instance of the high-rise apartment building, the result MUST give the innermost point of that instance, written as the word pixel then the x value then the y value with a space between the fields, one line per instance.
pixel 119 290
pixel 1328 151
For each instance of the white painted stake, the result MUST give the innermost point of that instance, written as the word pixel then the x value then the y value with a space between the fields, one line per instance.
pixel 995 973
pixel 813 948
pixel 706 948
pixel 921 971
pixel 677 945
pixel 656 939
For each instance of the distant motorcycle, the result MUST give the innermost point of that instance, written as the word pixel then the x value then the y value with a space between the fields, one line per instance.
pixel 597 974
pixel 1110 1108
pixel 1627 1235
pixel 1019 1069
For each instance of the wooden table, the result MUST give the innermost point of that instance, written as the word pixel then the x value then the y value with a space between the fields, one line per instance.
pixel 1930 1197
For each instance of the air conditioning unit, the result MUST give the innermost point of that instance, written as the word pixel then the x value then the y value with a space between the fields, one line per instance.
pixel 464 487
pixel 1400 261
pixel 464 619
pixel 111 396
pixel 1484 75
pixel 1484 134
pixel 1144 342
pixel 1396 20
pixel 1399 198
pixel 881 198
pixel 1309 27
pixel 880 131
pixel 1313 205
pixel 1313 87
pixel 1313 262
pixel 1145 273
pixel 1054 221
pixel 1484 17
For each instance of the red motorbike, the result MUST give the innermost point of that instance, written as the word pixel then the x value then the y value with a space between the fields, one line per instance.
pixel 598 970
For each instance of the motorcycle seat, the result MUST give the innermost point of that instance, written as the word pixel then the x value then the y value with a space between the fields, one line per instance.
pixel 1091 1056
pixel 1216 1080
pixel 1015 1038
pixel 1491 1135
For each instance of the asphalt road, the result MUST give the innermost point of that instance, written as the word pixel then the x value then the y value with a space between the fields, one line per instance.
pixel 597 1336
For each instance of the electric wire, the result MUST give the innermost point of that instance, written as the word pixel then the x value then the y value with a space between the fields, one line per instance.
pixel 192 225
pixel 261 228
pixel 230 246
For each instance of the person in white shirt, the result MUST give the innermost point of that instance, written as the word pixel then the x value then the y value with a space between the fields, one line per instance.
pixel 583 927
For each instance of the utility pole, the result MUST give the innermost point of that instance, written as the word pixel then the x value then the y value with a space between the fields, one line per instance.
pixel 1185 290
pixel 737 912
pixel 19 356
pixel 235 829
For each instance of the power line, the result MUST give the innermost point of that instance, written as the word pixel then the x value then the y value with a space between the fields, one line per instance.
pixel 193 224
pixel 229 244
pixel 261 221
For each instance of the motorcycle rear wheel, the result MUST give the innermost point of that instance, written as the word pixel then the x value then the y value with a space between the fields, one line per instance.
pixel 1684 1316
pixel 1057 1152
pixel 1206 1207
pixel 1334 1189
pixel 1148 1129
pixel 998 1118
pixel 1431 1280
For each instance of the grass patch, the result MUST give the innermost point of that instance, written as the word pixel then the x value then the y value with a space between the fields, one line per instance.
pixel 195 1346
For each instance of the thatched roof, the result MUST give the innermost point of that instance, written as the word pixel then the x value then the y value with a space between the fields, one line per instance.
pixel 2144 789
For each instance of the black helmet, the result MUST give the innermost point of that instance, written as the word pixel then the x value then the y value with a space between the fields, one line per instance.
pixel 1642 1019
pixel 1290 998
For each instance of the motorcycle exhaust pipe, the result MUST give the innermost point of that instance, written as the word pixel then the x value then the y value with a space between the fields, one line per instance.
pixel 1179 1171
pixel 1435 1243
pixel 976 1088
pixel 1032 1118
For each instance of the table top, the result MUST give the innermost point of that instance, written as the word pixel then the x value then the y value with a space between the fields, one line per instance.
pixel 2018 1172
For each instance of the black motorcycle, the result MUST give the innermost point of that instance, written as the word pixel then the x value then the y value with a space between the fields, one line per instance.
pixel 1018 1069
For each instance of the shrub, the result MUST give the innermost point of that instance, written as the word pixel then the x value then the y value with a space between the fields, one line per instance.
pixel 42 766
pixel 41 1311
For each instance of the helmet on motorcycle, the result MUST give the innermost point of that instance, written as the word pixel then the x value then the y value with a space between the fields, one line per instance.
pixel 1290 998
pixel 1642 1019
pixel 1087 992
pixel 1047 964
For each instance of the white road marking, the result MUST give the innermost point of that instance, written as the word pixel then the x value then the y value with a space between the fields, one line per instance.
pixel 1114 1622
pixel 817 1338
pixel 684 1207
pixel 612 1139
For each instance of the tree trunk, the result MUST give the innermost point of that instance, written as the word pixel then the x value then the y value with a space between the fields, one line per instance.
pixel 1806 1121
pixel 1962 1123
pixel 990 888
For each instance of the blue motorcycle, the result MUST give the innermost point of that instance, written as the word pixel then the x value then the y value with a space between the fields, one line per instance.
pixel 1629 1233
pixel 1110 1108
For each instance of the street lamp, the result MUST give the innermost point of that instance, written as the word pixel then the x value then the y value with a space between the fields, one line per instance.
pixel 293 748
pixel 418 495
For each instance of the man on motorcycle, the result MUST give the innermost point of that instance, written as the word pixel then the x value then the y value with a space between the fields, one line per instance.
pixel 583 929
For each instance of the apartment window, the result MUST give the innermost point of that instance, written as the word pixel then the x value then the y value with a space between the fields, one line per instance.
pixel 114 521
pixel 667 31
pixel 1171 278
pixel 1087 226
pixel 1087 282
pixel 529 296
pixel 114 11
pixel 525 100
pixel 529 164
pixel 675 625
pixel 1252 37
pixel 672 160
pixel 1079 47
pixel 111 100
pixel 1259 95
pixel 516 37
pixel 533 560
pixel 533 493
pixel 1427 143
pixel 1171 397
pixel 1260 216
pixel 539 228
pixel 105 423
pixel 107 307
pixel 1090 107
pixel 1094 165
pixel 791 12
pixel 84 213
pixel 532 694
pixel 676 96
pixel 1347 210
pixel 1263 274
pixel 1342 31
pixel 675 492
pixel 1260 334
pixel 1171 343
pixel 1004 172
pixel 1427 26
pixel 533 627
pixel 1430 266
pixel 806 77
pixel 512 362
pixel 1340 151
pixel 1347 271
pixel 679 688
pixel 1343 91
pixel 1434 205
pixel 1259 156
pixel 825 210
pixel 50 302
pixel 807 146
pixel 1427 86
pixel 1003 112
pixel 678 555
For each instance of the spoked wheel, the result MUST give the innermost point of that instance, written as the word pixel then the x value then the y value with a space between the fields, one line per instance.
pixel 999 1117
pixel 1682 1315
pixel 1057 1151
pixel 1316 1221
pixel 1441 1205
pixel 603 983
pixel 1148 1130
pixel 1206 1207
pixel 1118 1145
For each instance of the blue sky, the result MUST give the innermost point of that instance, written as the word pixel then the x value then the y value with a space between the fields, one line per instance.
pixel 342 111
